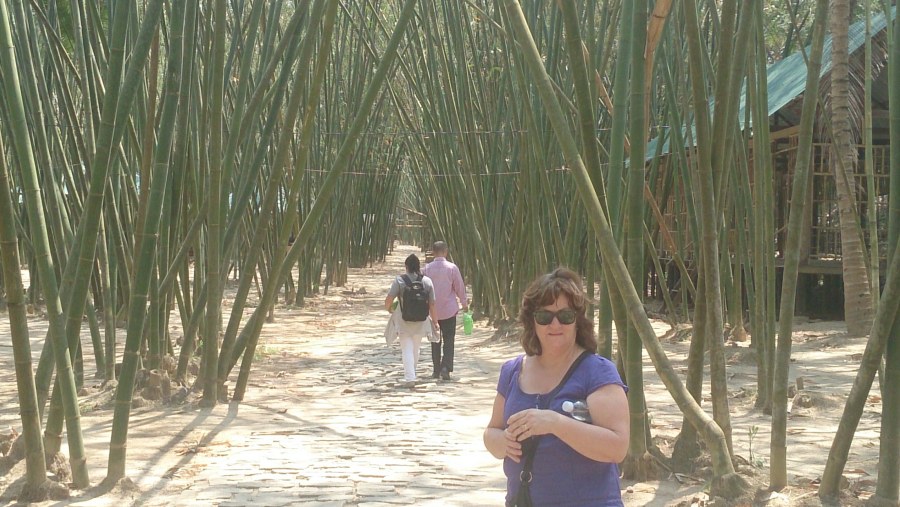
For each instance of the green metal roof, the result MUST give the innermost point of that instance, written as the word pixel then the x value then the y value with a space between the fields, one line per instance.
pixel 786 78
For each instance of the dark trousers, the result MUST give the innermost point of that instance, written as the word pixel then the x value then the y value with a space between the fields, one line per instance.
pixel 448 336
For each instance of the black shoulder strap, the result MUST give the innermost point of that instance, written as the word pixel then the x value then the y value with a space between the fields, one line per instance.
pixel 529 447
pixel 407 280
pixel 545 399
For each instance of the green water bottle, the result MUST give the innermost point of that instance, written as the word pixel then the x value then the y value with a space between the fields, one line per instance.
pixel 468 324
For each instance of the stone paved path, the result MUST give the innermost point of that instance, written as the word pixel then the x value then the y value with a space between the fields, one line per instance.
pixel 348 433
pixel 325 421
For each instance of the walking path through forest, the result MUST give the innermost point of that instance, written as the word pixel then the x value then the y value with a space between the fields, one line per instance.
pixel 327 422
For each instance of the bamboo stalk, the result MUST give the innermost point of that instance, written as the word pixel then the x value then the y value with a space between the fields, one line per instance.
pixel 726 481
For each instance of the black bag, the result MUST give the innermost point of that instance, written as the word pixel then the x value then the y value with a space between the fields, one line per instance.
pixel 413 300
pixel 523 498
pixel 529 446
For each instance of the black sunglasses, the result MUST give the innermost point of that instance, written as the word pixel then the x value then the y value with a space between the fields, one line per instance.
pixel 565 316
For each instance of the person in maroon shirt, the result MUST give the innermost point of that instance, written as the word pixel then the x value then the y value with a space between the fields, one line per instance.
pixel 448 288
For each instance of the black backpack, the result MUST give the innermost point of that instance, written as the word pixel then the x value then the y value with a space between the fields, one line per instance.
pixel 413 300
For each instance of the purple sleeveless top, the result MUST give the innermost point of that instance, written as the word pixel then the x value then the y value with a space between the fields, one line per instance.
pixel 562 476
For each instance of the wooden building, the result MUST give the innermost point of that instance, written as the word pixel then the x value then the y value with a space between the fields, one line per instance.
pixel 820 289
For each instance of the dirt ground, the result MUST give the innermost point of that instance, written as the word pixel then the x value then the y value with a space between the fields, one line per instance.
pixel 176 451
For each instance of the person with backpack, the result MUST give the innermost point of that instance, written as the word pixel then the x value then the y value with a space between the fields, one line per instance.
pixel 415 292
pixel 448 287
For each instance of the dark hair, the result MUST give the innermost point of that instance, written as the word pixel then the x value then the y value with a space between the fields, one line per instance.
pixel 413 265
pixel 544 292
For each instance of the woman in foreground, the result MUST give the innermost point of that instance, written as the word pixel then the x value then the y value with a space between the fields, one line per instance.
pixel 559 459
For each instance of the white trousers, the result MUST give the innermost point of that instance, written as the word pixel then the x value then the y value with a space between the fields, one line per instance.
pixel 409 351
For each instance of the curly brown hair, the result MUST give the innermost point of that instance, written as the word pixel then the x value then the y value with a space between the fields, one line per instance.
pixel 544 291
